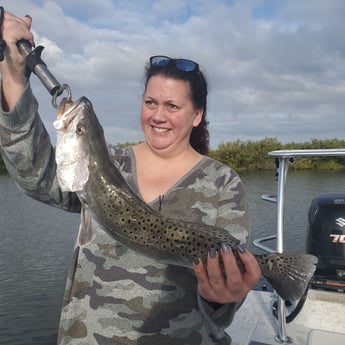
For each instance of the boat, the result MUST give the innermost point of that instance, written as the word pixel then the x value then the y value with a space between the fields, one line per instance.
pixel 318 317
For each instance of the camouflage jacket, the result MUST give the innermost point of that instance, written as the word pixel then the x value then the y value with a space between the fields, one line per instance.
pixel 114 295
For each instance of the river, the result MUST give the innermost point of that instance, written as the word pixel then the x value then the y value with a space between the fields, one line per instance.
pixel 37 242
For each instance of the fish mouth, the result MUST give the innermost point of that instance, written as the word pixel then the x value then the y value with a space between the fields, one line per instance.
pixel 68 111
pixel 65 107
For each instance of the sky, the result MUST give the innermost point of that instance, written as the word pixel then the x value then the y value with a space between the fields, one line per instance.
pixel 275 68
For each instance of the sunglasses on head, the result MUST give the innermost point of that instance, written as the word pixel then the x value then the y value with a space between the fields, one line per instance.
pixel 182 64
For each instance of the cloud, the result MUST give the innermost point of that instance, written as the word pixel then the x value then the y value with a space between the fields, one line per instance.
pixel 275 68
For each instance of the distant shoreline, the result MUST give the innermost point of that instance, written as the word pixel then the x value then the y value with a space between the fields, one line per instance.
pixel 252 155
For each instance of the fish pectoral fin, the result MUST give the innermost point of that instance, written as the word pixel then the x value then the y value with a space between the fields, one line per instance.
pixel 86 232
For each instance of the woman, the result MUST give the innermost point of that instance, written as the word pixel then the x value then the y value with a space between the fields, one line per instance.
pixel 114 295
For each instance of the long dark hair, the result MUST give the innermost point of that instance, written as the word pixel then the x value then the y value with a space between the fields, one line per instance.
pixel 199 138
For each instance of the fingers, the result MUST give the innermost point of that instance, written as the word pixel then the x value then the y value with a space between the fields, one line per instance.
pixel 231 269
pixel 12 67
pixel 28 20
pixel 201 275
pixel 15 28
pixel 248 275
pixel 252 271
pixel 226 282
pixel 212 284
pixel 215 274
pixel 210 278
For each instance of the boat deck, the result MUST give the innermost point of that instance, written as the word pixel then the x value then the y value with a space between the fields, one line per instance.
pixel 320 322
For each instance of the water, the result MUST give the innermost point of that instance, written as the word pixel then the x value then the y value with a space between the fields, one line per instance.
pixel 37 242
pixel 35 251
pixel 301 188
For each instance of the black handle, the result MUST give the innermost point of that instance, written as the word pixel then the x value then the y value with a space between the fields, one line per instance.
pixel 35 64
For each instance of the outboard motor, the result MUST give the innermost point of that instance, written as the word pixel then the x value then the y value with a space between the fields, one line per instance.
pixel 326 240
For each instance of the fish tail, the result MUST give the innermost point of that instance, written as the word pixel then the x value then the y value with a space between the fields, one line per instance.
pixel 289 274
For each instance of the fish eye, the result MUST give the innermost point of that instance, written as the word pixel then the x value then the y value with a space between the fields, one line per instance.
pixel 80 129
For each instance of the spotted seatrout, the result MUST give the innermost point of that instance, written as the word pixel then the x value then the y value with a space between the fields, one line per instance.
pixel 84 166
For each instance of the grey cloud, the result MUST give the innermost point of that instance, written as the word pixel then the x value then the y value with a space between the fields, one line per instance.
pixel 280 76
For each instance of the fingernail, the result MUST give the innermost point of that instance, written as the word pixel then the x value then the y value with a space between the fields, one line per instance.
pixel 241 248
pixel 225 247
pixel 196 261
pixel 212 253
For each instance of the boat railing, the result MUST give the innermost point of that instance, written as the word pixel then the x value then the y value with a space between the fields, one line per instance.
pixel 258 243
pixel 284 158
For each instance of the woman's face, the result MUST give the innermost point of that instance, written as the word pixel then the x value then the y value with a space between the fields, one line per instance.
pixel 168 114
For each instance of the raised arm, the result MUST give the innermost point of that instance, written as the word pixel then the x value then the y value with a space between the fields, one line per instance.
pixel 24 142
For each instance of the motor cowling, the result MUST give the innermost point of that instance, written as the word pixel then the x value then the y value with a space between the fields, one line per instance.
pixel 326 237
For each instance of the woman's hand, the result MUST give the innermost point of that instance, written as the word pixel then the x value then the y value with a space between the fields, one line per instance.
pixel 232 285
pixel 12 68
